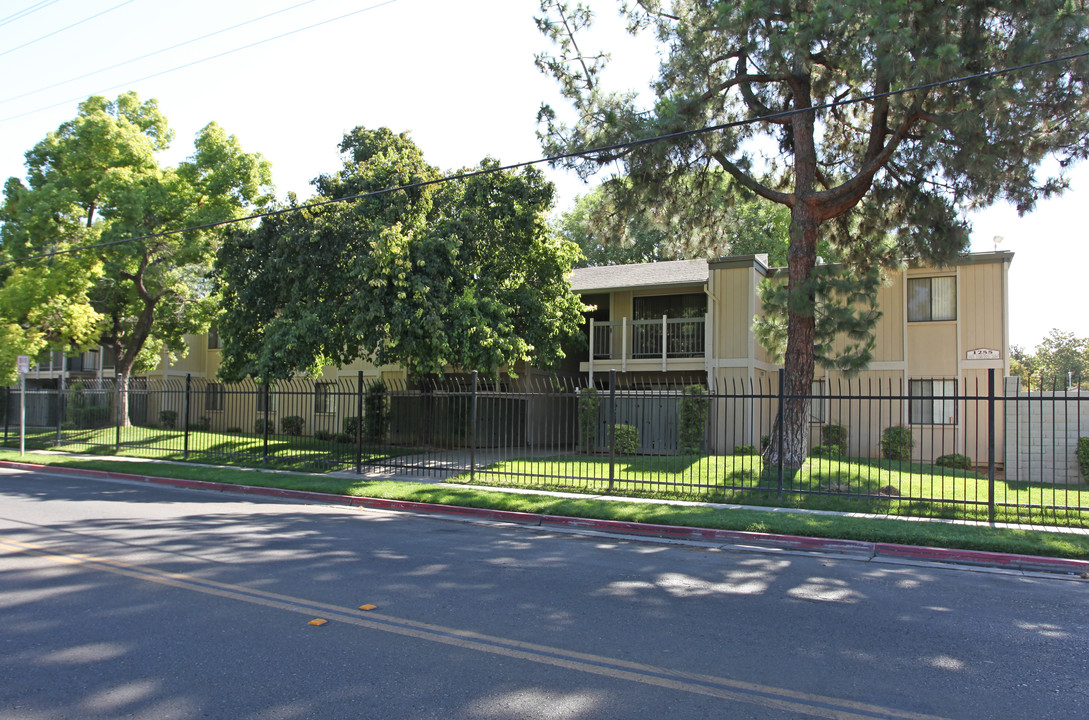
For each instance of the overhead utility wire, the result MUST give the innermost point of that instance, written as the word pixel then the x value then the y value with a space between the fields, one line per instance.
pixel 577 153
pixel 153 54
pixel 27 11
pixel 211 57
pixel 69 27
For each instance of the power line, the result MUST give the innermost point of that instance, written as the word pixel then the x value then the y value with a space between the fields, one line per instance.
pixel 156 52
pixel 206 59
pixel 55 32
pixel 27 11
pixel 565 156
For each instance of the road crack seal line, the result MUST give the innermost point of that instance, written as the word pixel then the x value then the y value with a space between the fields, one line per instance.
pixel 696 683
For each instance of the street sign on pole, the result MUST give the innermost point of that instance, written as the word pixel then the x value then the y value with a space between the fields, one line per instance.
pixel 22 364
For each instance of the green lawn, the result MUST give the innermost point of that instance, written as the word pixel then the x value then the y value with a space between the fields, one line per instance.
pixel 1023 541
pixel 846 484
pixel 285 452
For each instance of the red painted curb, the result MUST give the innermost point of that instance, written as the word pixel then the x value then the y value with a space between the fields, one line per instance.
pixel 1034 563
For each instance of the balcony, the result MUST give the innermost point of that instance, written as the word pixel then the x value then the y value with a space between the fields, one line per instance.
pixel 647 342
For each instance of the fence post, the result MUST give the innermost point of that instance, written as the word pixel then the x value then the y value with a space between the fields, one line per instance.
pixel 7 413
pixel 612 428
pixel 990 444
pixel 359 424
pixel 60 408
pixel 267 390
pixel 185 420
pixel 118 416
pixel 472 428
pixel 779 426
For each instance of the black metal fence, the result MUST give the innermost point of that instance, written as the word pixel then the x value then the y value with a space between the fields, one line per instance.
pixel 972 447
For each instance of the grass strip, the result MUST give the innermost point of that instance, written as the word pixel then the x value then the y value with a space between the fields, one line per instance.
pixel 929 533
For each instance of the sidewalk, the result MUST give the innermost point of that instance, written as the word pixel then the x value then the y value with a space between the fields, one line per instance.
pixel 729 539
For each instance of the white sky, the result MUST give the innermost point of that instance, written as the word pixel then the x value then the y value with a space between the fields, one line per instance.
pixel 458 75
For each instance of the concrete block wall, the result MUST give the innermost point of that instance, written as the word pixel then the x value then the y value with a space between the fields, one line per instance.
pixel 1042 431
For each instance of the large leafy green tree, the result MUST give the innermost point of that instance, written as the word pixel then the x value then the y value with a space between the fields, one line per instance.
pixel 97 180
pixel 880 179
pixel 462 274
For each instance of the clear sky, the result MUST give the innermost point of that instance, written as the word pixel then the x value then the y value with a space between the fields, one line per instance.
pixel 459 75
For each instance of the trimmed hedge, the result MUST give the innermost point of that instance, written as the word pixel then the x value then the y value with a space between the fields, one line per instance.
pixel 1083 457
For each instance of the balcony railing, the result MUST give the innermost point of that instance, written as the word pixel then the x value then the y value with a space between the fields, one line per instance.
pixel 648 339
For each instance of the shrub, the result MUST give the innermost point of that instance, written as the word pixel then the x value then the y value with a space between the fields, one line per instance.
pixel 588 407
pixel 234 429
pixel 345 438
pixel 693 419
pixel 326 435
pixel 168 419
pixel 350 426
pixel 832 434
pixel 292 425
pixel 627 439
pixel 259 426
pixel 897 443
pixel 765 441
pixel 826 451
pixel 744 450
pixel 1083 457
pixel 203 424
pixel 956 460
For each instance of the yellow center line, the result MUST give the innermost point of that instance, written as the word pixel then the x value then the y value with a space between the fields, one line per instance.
pixel 807 704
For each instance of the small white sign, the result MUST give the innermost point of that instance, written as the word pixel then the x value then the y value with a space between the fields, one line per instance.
pixel 984 354
pixel 22 364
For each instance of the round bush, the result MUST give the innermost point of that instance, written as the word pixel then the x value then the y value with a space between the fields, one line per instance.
pixel 955 460
pixel 897 443
pixel 627 439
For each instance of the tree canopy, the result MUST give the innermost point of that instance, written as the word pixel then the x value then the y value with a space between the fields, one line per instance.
pixel 462 274
pixel 879 176
pixel 1061 359
pixel 97 180
pixel 612 234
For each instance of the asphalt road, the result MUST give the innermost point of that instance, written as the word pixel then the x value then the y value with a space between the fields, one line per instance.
pixel 122 600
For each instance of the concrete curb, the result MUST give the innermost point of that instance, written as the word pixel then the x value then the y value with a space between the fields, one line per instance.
pixel 979 558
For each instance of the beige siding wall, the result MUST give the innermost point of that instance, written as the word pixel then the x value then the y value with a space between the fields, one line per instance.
pixel 889 333
pixel 981 305
pixel 733 288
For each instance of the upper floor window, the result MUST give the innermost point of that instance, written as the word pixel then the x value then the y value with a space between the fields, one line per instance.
pixel 932 298
pixel 213 338
pixel 653 307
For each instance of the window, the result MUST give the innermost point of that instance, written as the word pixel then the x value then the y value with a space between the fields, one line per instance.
pixel 213 338
pixel 817 404
pixel 933 402
pixel 261 399
pixel 932 298
pixel 213 397
pixel 325 399
pixel 653 307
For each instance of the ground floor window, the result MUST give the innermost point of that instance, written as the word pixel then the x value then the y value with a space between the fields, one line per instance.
pixel 213 397
pixel 325 399
pixel 933 402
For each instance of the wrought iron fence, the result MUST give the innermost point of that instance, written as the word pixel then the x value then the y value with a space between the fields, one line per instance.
pixel 958 448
